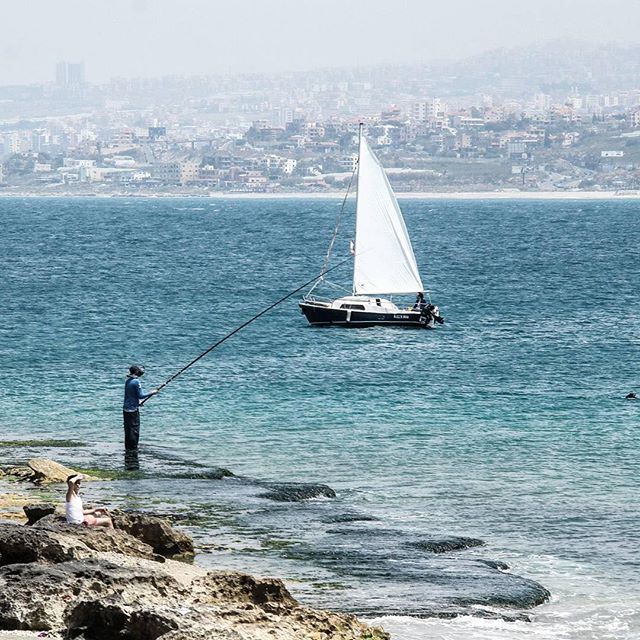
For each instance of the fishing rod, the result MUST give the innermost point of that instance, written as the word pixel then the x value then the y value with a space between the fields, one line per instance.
pixel 243 325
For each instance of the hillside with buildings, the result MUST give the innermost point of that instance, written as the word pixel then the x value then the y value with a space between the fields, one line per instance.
pixel 555 117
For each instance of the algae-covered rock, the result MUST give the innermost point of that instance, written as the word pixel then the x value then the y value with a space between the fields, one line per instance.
pixel 296 491
pixel 445 545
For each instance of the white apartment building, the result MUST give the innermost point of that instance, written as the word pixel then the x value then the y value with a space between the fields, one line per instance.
pixel 12 143
pixel 349 162
pixel 285 165
pixel 429 111
pixel 313 130
pixel 542 102
pixel 288 166
pixel 177 172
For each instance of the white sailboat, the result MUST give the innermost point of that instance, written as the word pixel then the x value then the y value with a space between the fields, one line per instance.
pixel 384 262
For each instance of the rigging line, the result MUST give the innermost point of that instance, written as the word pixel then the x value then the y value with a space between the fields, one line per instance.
pixel 242 326
pixel 325 264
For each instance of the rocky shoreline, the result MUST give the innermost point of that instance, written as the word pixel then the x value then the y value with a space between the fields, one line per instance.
pixel 333 557
pixel 67 581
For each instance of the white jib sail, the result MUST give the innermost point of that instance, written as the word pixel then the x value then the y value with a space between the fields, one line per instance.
pixel 384 260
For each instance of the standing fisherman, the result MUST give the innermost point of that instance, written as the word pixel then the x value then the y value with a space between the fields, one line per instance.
pixel 133 393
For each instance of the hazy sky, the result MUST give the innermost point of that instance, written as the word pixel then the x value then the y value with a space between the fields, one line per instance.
pixel 157 37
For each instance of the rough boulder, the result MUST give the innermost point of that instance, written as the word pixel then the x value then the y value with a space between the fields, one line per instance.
pixel 154 531
pixel 47 471
pixel 96 584
pixel 35 512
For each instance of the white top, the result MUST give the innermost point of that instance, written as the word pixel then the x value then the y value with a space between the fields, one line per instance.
pixel 75 512
pixel 384 261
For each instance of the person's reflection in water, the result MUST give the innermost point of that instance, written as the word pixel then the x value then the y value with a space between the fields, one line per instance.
pixel 131 462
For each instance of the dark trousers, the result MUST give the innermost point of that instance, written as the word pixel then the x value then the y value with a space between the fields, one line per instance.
pixel 131 429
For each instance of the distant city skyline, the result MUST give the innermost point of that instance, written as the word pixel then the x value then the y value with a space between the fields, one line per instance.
pixel 140 38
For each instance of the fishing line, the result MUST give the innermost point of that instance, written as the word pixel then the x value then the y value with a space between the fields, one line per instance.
pixel 243 325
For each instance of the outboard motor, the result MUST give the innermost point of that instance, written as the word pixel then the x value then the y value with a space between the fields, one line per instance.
pixel 435 312
pixel 426 317
pixel 429 315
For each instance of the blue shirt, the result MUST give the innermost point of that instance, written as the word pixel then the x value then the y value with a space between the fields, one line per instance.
pixel 133 393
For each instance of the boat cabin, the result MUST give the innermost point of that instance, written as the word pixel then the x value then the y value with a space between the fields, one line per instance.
pixel 364 303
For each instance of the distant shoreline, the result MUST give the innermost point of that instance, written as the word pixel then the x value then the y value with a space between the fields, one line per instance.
pixel 332 195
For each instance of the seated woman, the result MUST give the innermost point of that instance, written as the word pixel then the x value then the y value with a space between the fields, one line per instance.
pixel 75 512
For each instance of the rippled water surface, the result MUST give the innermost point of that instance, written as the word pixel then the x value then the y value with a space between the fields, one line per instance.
pixel 508 424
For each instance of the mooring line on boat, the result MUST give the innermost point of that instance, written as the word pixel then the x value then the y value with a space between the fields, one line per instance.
pixel 245 324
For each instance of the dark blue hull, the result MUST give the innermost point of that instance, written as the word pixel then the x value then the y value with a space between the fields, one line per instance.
pixel 323 315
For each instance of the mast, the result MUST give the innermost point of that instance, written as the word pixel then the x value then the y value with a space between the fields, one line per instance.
pixel 355 234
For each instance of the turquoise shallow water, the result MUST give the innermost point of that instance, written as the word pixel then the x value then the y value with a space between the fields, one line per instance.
pixel 507 424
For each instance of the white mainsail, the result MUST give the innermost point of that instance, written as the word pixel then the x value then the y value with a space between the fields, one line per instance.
pixel 384 259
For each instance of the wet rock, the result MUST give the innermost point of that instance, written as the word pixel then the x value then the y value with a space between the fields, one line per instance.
pixel 477 612
pixel 217 473
pixel 155 532
pixel 35 512
pixel 296 492
pixel 495 564
pixel 349 517
pixel 445 545
pixel 498 615
pixel 410 583
pixel 377 535
pixel 519 593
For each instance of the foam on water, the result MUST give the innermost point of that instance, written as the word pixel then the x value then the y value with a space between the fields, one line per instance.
pixel 598 615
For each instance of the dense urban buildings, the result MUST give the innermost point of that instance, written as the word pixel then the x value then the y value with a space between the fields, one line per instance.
pixel 485 124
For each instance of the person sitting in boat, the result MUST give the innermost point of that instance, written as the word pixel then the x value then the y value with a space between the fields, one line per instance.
pixel 75 512
pixel 420 302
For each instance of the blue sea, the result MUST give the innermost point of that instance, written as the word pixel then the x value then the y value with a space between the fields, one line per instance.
pixel 509 424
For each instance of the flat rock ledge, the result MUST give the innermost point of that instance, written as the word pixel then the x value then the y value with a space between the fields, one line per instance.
pixel 96 584
pixel 42 471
